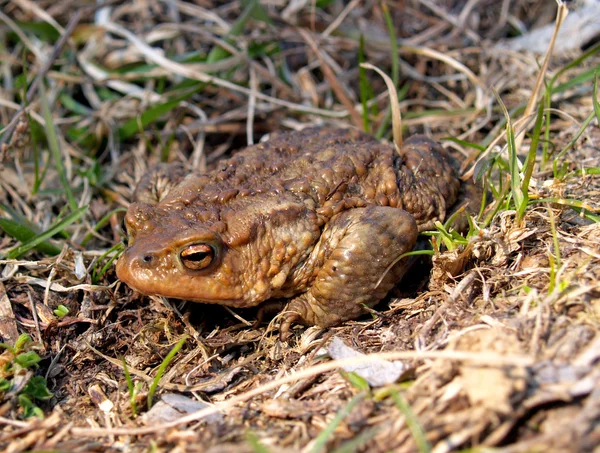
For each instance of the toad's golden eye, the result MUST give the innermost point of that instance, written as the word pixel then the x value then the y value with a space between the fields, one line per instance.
pixel 197 256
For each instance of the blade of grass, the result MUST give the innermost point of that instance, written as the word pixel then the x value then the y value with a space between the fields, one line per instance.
pixel 395 60
pixel 535 139
pixel 394 105
pixel 130 388
pixel 252 9
pixel 96 275
pixel 587 171
pixel 464 143
pixel 547 128
pixel 382 129
pixel 582 128
pixel 132 126
pixel 572 82
pixel 366 93
pixel 324 435
pixel 255 444
pixel 23 234
pixel 37 178
pixel 594 218
pixel 18 217
pixel 415 428
pixel 575 63
pixel 162 368
pixel 579 79
pixel 56 228
pixel 595 100
pixel 568 202
pixel 55 147
pixel 72 105
pixel 520 197
pixel 358 442
pixel 404 255
pixel 391 29
pixel 355 380
pixel 100 224
pixel 554 260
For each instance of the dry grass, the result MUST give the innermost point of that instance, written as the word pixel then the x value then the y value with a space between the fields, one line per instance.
pixel 500 345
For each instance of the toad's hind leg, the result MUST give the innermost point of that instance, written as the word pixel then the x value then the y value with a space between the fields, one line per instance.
pixel 358 264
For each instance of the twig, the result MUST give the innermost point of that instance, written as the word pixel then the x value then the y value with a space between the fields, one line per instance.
pixel 188 71
pixel 336 86
pixel 8 326
pixel 480 358
pixel 561 15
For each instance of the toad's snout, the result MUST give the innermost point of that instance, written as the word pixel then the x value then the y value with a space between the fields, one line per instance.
pixel 140 270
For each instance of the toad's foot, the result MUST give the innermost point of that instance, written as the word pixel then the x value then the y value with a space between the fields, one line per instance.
pixel 360 249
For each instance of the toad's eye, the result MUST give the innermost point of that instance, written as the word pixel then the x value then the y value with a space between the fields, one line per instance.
pixel 197 257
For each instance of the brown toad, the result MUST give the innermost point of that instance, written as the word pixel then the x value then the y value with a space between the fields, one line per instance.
pixel 319 216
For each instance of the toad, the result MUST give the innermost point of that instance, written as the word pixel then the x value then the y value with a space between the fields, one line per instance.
pixel 321 217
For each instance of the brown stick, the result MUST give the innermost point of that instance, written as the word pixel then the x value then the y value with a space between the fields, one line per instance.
pixel 337 87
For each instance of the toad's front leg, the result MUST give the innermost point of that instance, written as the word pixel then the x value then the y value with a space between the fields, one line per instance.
pixel 359 251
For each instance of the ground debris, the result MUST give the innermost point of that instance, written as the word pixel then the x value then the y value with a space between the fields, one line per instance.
pixel 519 289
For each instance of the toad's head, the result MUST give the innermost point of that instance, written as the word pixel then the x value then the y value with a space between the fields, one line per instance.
pixel 237 256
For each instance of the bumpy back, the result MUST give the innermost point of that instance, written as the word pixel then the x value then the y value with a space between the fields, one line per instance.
pixel 427 179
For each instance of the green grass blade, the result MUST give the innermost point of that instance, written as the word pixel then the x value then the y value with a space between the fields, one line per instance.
pixel 574 81
pixel 355 380
pixel 366 91
pixel 567 202
pixel 555 243
pixel 411 421
pixel 252 9
pixel 162 368
pixel 132 126
pixel 357 443
pixel 587 171
pixel 100 224
pixel 566 149
pixel 130 388
pixel 595 100
pixel 255 444
pixel 43 30
pixel 593 217
pixel 519 197
pixel 547 128
pixel 324 435
pixel 55 147
pixel 72 105
pixel 464 143
pixel 391 29
pixel 572 64
pixel 97 274
pixel 55 229
pixel 535 140
pixel 23 233
pixel 37 178
pixel 577 205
